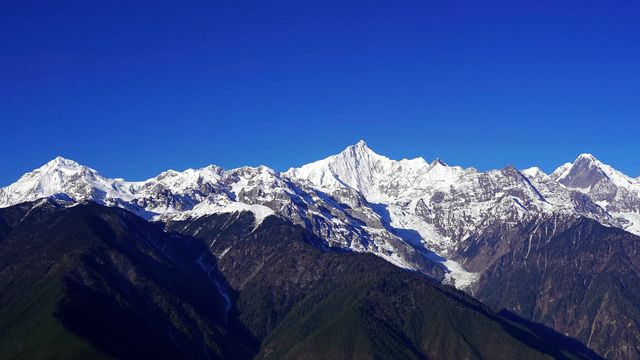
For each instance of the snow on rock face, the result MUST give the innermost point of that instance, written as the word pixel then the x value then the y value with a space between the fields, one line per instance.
pixel 413 213
pixel 438 208
pixel 357 167
pixel 377 177
pixel 62 176
pixel 260 212
pixel 584 173
pixel 343 219
pixel 587 171
pixel 614 191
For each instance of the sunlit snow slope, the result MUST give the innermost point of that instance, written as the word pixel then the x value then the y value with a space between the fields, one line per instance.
pixel 416 214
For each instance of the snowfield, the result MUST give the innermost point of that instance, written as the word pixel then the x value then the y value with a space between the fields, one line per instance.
pixel 410 212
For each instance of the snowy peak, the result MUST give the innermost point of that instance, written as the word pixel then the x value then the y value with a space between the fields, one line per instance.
pixel 361 144
pixel 587 171
pixel 612 190
pixel 587 157
pixel 59 162
pixel 360 168
pixel 588 160
pixel 354 167
pixel 359 157
pixel 58 176
pixel 359 199
pixel 534 172
pixel 61 167
pixel 358 165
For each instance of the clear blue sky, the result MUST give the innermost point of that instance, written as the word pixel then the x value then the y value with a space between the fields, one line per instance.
pixel 132 87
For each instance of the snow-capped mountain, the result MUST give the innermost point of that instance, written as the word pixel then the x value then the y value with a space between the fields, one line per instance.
pixel 614 191
pixel 418 215
pixel 444 204
pixel 62 176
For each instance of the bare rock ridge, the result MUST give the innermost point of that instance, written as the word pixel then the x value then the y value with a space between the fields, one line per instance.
pixel 500 235
pixel 412 213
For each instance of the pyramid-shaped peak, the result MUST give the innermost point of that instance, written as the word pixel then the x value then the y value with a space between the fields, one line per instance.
pixel 584 172
pixel 359 149
pixel 588 160
pixel 60 161
pixel 359 146
pixel 587 157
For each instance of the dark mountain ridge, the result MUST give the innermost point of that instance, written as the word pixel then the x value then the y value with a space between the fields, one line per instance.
pixel 90 281
pixel 581 279
pixel 97 282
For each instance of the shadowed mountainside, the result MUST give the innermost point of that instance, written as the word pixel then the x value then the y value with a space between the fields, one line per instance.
pixel 97 282
pixel 301 301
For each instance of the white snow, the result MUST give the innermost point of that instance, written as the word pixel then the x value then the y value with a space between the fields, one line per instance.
pixel 616 177
pixel 260 212
pixel 458 276
pixel 352 196
pixel 360 168
pixel 533 172
pixel 634 222
pixel 562 171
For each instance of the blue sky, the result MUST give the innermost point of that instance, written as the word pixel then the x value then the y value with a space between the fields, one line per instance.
pixel 132 88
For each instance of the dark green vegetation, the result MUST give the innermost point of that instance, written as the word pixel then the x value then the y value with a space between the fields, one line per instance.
pixel 301 301
pixel 96 282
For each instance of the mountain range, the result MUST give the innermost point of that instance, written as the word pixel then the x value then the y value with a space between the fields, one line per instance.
pixel 559 249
